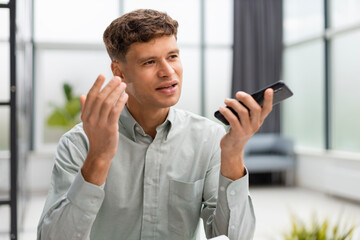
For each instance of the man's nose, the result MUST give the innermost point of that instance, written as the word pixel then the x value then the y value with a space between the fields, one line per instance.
pixel 166 69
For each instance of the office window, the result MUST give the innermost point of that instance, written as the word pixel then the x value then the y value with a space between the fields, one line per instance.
pixel 70 21
pixel 302 19
pixel 219 23
pixel 218 78
pixel 345 74
pixel 303 69
pixel 344 13
pixel 345 85
pixel 303 114
pixel 343 35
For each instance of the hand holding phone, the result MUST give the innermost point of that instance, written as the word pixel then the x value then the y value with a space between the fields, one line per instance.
pixel 281 92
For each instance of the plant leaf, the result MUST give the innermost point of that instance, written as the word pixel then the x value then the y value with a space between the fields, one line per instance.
pixel 67 91
pixel 57 118
pixel 73 106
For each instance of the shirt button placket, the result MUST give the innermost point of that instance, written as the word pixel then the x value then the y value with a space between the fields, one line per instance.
pixel 150 191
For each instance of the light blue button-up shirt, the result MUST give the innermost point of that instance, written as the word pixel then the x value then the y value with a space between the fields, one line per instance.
pixel 155 189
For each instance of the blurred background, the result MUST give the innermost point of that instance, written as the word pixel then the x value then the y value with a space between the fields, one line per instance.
pixel 307 155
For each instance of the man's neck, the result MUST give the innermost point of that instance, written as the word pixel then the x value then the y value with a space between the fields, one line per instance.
pixel 149 119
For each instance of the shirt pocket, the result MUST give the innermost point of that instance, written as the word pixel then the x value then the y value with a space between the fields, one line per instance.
pixel 185 200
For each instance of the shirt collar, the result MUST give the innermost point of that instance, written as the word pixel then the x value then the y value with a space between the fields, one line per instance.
pixel 130 125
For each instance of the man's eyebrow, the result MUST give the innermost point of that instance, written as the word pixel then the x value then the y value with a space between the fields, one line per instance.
pixel 147 58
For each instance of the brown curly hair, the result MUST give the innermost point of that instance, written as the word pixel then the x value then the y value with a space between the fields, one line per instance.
pixel 140 25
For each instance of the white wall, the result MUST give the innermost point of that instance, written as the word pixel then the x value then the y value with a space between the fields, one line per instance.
pixel 330 172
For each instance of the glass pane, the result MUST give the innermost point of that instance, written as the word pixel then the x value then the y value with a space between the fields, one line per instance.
pixel 186 12
pixel 5 128
pixel 345 91
pixel 302 19
pixel 344 12
pixel 303 114
pixel 54 68
pixel 4 1
pixel 218 79
pixel 73 21
pixel 23 20
pixel 23 93
pixel 4 24
pixel 4 72
pixel 4 178
pixel 5 220
pixel 190 93
pixel 219 22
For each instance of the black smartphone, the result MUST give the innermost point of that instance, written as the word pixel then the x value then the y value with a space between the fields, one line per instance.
pixel 281 92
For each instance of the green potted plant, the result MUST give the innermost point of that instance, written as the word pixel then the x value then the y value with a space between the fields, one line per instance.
pixel 67 115
pixel 319 230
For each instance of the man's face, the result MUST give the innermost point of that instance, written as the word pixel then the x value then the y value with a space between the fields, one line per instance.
pixel 153 73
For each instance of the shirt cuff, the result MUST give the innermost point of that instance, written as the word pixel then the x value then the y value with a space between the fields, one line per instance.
pixel 86 196
pixel 233 192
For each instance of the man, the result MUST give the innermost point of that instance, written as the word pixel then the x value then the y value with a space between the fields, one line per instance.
pixel 136 168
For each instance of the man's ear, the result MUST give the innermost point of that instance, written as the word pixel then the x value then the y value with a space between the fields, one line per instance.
pixel 116 69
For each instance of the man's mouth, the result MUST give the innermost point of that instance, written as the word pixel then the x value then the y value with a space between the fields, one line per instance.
pixel 167 87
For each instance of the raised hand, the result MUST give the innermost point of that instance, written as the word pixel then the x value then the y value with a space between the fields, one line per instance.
pixel 100 112
pixel 241 130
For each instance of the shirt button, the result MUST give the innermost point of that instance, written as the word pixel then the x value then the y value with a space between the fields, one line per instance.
pixel 232 192
pixel 222 188
pixel 232 227
pixel 147 218
pixel 93 201
pixel 78 235
pixel 149 181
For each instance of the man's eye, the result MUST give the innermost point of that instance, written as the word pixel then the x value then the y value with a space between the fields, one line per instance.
pixel 173 56
pixel 149 62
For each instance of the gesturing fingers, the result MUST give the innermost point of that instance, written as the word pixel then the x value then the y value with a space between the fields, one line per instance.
pixel 109 106
pixel 97 106
pixel 94 91
pixel 102 96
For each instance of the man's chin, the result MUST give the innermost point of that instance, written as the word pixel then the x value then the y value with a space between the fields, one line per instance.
pixel 170 103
